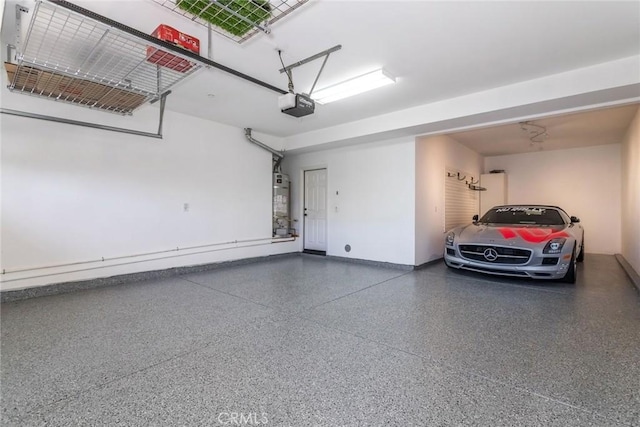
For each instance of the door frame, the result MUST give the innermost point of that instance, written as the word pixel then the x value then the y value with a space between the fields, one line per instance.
pixel 302 205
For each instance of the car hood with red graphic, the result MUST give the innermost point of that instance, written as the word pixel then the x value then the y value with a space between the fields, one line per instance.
pixel 520 235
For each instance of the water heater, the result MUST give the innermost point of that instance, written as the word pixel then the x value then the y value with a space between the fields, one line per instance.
pixel 281 205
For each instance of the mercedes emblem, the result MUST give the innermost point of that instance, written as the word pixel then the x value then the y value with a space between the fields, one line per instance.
pixel 490 254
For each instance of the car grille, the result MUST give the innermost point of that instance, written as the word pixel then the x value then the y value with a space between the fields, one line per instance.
pixel 502 255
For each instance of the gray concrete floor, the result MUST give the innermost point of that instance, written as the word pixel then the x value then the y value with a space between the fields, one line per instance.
pixel 306 341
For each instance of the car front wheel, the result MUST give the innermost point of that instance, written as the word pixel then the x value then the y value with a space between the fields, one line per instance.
pixel 581 254
pixel 572 272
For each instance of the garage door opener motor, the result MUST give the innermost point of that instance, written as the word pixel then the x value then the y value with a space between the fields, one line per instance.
pixel 300 104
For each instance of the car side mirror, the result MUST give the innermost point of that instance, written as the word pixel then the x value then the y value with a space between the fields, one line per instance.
pixel 475 218
pixel 575 219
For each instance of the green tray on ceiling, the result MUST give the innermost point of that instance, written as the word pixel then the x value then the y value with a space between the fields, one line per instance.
pixel 256 11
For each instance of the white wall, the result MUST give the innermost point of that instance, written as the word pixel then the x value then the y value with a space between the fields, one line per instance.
pixel 72 194
pixel 433 154
pixel 375 204
pixel 586 182
pixel 631 194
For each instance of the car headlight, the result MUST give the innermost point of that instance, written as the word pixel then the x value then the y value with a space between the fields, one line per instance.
pixel 450 238
pixel 554 246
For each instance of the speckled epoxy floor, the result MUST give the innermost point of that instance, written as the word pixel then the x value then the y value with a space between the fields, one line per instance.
pixel 306 341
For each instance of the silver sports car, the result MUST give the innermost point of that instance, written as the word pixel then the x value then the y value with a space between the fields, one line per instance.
pixel 541 242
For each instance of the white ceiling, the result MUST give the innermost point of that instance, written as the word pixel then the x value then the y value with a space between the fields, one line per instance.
pixel 599 127
pixel 436 50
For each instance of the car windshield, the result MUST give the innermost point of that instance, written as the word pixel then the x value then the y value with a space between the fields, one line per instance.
pixel 522 215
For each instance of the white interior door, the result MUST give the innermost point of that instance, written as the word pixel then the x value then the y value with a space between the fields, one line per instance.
pixel 315 210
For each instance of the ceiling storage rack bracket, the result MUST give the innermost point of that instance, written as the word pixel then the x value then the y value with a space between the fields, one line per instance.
pixel 324 53
pixel 70 57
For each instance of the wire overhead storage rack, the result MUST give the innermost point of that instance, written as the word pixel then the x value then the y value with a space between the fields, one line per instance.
pixel 238 20
pixel 69 57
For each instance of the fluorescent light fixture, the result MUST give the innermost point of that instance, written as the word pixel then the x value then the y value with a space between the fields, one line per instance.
pixel 354 86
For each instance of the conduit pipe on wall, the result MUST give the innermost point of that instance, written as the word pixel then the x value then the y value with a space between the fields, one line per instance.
pixel 243 244
pixel 103 259
pixel 277 154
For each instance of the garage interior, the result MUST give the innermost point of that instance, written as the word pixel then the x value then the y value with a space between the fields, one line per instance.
pixel 183 252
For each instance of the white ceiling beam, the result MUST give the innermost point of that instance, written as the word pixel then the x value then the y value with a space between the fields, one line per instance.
pixel 611 83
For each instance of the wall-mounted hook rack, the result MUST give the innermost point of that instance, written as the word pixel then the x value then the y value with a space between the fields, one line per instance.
pixel 473 183
pixel 451 175
pixel 463 178
pixel 476 188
